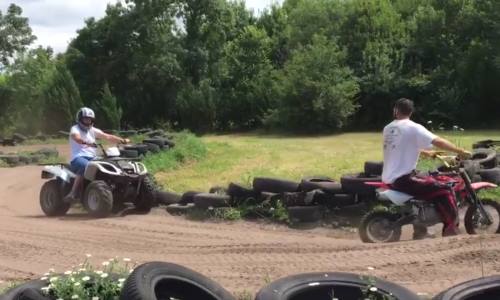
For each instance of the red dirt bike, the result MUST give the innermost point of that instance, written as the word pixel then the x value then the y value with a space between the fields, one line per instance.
pixel 384 225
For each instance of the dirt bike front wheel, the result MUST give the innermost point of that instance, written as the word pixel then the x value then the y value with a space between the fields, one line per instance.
pixel 476 222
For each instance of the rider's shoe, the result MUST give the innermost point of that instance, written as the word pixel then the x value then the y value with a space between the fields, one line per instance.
pixel 450 231
pixel 69 198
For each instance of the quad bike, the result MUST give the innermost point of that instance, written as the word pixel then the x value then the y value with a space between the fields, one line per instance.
pixel 384 225
pixel 109 183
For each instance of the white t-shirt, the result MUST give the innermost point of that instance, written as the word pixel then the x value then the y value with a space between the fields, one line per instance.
pixel 403 140
pixel 88 136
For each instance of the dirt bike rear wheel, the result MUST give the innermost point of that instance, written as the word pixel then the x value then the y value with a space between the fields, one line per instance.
pixel 378 227
pixel 475 223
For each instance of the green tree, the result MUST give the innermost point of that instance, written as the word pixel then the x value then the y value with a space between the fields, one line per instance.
pixel 111 112
pixel 15 34
pixel 319 89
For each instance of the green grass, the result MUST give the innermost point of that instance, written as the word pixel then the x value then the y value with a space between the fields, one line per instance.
pixel 240 157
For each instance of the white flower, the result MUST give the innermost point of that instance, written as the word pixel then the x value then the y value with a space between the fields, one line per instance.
pixel 86 278
pixel 46 274
pixel 82 270
pixel 88 255
pixel 104 275
pixel 371 268
pixel 105 263
pixel 77 284
pixel 44 278
pixel 52 279
pixel 72 279
pixel 95 298
pixel 98 272
pixel 74 297
pixel 131 270
pixel 121 280
pixel 45 288
pixel 126 259
pixel 373 289
pixel 60 299
pixel 429 122
pixel 67 273
pixel 461 129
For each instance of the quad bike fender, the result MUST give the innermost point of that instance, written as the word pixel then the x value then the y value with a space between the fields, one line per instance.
pixel 100 166
pixel 140 168
pixel 58 171
pixel 483 185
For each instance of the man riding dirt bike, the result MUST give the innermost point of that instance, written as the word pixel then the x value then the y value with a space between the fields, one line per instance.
pixel 404 140
pixel 82 140
pixel 384 225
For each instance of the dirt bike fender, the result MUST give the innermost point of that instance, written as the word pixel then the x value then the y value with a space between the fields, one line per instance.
pixel 483 185
pixel 398 198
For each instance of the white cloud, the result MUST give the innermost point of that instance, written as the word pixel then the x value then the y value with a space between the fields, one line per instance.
pixel 55 22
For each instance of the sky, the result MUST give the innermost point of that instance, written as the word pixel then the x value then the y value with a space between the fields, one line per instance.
pixel 54 22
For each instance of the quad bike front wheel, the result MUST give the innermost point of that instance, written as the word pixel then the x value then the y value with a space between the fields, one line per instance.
pixel 98 199
pixel 379 227
pixel 51 199
pixel 147 195
pixel 476 222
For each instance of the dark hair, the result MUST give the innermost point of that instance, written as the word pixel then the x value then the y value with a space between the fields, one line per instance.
pixel 404 106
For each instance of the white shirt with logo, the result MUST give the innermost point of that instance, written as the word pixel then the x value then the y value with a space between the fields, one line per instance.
pixel 403 140
pixel 88 136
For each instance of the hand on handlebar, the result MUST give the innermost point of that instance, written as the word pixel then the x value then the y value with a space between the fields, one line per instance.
pixel 464 154
pixel 125 141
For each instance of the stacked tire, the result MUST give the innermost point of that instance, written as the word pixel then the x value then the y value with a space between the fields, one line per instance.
pixel 488 161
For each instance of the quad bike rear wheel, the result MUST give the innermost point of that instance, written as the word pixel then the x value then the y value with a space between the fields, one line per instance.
pixel 379 227
pixel 98 199
pixel 51 199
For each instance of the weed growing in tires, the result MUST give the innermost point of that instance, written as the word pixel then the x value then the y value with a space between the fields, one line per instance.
pixel 370 291
pixel 88 282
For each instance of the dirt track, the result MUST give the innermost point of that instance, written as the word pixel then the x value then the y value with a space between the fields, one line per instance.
pixel 241 256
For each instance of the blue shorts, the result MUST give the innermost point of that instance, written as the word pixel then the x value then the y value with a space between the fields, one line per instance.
pixel 78 164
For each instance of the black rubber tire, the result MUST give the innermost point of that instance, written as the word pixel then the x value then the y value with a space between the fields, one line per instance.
pixel 317 178
pixel 339 200
pixel 374 168
pixel 51 199
pixel 218 190
pixel 47 152
pixel 11 160
pixel 471 167
pixel 20 138
pixel 485 157
pixel 328 186
pixel 298 198
pixel 9 142
pixel 140 148
pixel 153 148
pixel 470 218
pixel 239 191
pixel 161 280
pixel 177 209
pixel 158 142
pixel 490 175
pixel 347 286
pixel 355 183
pixel 273 185
pixel 167 198
pixel 483 288
pixel 304 214
pixel 129 153
pixel 20 291
pixel 367 219
pixel 103 195
pixel 147 195
pixel 154 133
pixel 188 197
pixel 206 200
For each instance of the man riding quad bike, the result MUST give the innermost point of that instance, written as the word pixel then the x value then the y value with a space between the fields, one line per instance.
pixel 108 183
pixel 94 182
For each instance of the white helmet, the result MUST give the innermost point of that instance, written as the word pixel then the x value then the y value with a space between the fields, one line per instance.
pixel 84 112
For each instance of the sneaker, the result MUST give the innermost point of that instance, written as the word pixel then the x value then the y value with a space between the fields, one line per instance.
pixel 69 198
